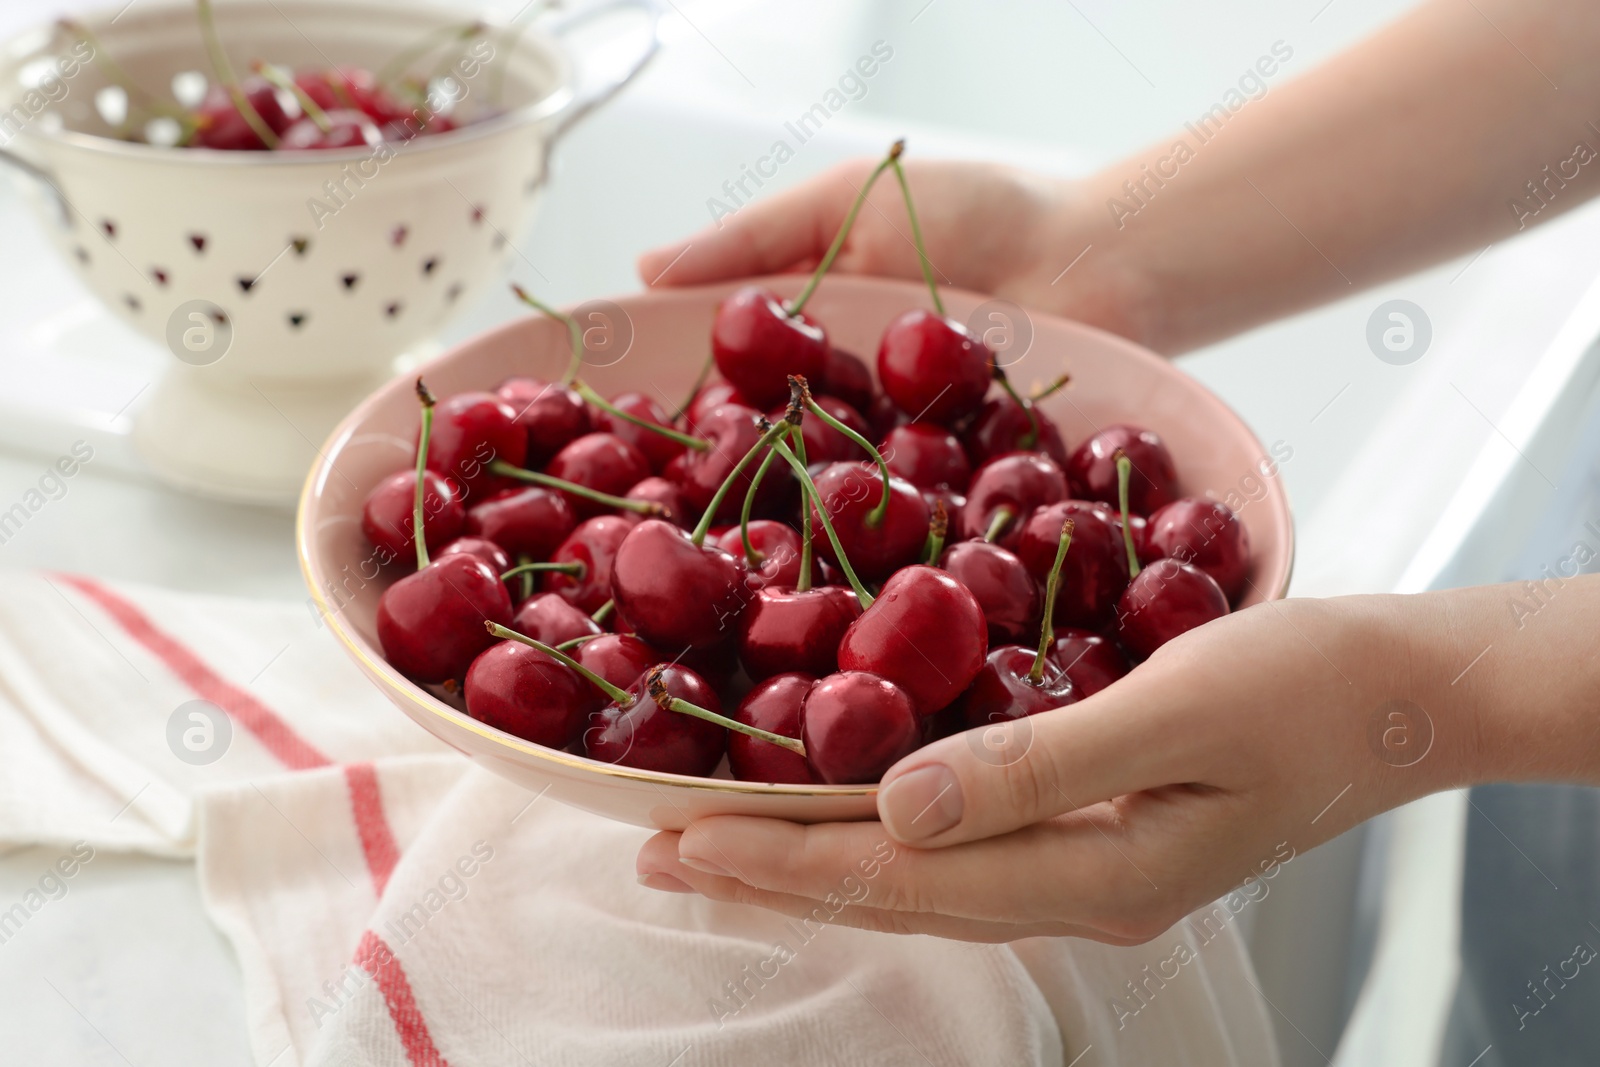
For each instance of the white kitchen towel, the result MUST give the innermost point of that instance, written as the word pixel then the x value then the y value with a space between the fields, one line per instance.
pixel 473 922
pixel 118 702
pixel 390 904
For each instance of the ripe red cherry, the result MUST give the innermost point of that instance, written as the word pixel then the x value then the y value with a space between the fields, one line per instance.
pixel 883 416
pixel 847 377
pixel 1088 659
pixel 1092 468
pixel 732 431
pixel 1164 600
pixel 927 456
pixel 954 503
pixel 346 129
pixel 778 545
pixel 1016 485
pixel 430 624
pixel 717 664
pixel 470 431
pixel 551 619
pixel 1002 426
pixel 524 692
pixel 787 630
pixel 642 734
pixel 675 592
pixel 1205 533
pixel 1095 571
pixel 1001 584
pixel 493 556
pixel 925 632
pixel 932 367
pixel 1003 690
pixel 856 725
pixel 356 87
pixel 618 658
pixel 530 521
pixel 775 706
pixel 711 396
pixel 657 448
pixel 552 414
pixel 386 516
pixel 757 344
pixel 824 444
pixel 660 491
pixel 850 493
pixel 220 125
pixel 600 461
pixel 593 542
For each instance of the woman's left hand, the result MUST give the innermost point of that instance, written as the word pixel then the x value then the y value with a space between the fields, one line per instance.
pixel 1233 748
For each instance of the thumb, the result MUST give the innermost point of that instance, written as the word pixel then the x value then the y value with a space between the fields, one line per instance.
pixel 998 778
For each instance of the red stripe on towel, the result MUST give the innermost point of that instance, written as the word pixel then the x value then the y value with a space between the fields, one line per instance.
pixel 277 736
pixel 378 960
pixel 377 839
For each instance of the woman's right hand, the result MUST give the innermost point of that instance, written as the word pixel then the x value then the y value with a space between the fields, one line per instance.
pixel 988 228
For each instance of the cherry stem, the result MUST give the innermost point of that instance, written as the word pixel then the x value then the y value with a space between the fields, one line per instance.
pixel 751 556
pixel 430 40
pixel 640 507
pixel 575 336
pixel 667 702
pixel 576 568
pixel 1047 629
pixel 224 72
pixel 804 584
pixel 442 70
pixel 1051 389
pixel 277 77
pixel 576 641
pixel 876 515
pixel 844 230
pixel 1124 474
pixel 596 400
pixel 694 390
pixel 997 523
pixel 618 696
pixel 604 612
pixel 772 433
pixel 574 331
pixel 527 579
pixel 418 533
pixel 916 237
pixel 1028 440
pixel 938 529
pixel 117 76
pixel 815 498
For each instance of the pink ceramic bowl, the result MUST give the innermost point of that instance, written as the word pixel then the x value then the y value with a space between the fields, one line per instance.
pixel 1113 380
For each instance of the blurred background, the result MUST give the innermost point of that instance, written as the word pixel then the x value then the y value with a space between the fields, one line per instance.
pixel 1395 470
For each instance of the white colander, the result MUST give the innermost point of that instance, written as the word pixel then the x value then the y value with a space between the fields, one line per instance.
pixel 285 284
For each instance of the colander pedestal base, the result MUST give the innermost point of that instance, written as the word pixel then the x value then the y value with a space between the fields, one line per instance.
pixel 250 441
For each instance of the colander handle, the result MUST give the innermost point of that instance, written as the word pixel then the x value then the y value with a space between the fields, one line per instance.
pixel 43 177
pixel 592 97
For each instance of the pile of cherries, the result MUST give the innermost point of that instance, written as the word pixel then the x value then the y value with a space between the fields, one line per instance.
pixel 278 109
pixel 601 576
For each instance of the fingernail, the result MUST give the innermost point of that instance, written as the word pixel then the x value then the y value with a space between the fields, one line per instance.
pixel 921 803
pixel 703 866
pixel 665 883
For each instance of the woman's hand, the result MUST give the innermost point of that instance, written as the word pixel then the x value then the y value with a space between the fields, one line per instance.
pixel 988 228
pixel 1235 747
